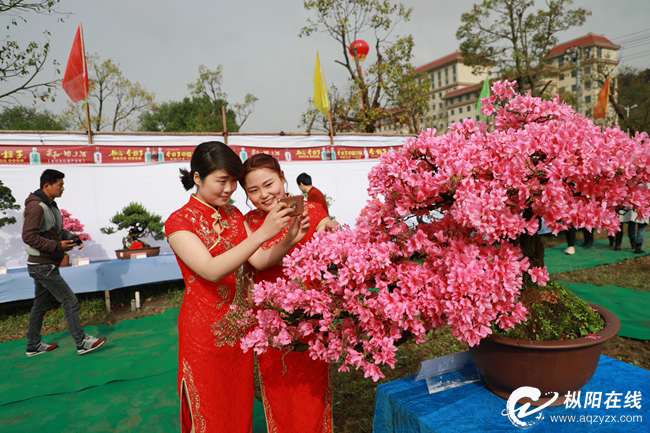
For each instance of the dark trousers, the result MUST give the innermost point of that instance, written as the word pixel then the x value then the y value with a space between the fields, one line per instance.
pixel 619 235
pixel 636 236
pixel 571 236
pixel 50 286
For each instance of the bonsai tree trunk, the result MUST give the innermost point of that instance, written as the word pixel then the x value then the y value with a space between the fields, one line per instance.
pixel 532 247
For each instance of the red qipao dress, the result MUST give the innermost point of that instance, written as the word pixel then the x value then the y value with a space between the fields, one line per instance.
pixel 215 378
pixel 300 400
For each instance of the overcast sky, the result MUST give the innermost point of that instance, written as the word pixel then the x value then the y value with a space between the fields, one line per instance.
pixel 161 43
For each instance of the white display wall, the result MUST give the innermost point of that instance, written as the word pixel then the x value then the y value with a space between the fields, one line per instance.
pixel 94 193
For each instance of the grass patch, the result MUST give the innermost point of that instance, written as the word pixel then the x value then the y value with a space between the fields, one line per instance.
pixel 635 352
pixel 354 395
pixel 175 296
pixel 630 273
pixel 13 327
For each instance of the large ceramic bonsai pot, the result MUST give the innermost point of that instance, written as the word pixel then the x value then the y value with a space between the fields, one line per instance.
pixel 551 366
pixel 126 254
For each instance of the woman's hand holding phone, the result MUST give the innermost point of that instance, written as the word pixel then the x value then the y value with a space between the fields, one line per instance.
pixel 276 220
pixel 296 203
pixel 299 227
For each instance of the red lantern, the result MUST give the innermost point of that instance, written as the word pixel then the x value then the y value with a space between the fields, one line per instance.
pixel 362 49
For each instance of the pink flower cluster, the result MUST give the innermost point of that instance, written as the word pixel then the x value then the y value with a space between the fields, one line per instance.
pixel 438 242
pixel 73 225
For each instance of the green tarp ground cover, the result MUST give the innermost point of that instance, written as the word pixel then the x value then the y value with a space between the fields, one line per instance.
pixel 632 307
pixel 134 349
pixel 148 404
pixel 127 385
pixel 599 254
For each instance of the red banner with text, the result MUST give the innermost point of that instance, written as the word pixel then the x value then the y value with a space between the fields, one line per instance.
pixel 106 154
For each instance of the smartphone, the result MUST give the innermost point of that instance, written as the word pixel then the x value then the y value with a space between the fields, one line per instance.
pixel 77 241
pixel 295 202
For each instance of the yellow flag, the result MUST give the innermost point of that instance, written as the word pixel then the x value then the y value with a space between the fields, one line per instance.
pixel 321 98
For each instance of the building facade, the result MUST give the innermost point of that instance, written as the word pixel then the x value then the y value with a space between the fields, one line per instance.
pixel 452 94
pixel 581 67
pixel 577 69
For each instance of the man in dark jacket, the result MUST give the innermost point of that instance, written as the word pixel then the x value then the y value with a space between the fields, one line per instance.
pixel 46 243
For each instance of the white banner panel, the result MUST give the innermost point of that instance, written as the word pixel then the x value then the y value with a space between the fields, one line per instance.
pixel 94 193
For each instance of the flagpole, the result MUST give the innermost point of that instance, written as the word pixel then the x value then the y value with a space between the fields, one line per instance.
pixel 329 117
pixel 224 125
pixel 85 66
pixel 107 295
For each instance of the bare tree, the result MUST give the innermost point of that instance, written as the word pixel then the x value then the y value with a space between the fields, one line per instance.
pixel 374 91
pixel 20 65
pixel 114 101
pixel 507 34
pixel 209 84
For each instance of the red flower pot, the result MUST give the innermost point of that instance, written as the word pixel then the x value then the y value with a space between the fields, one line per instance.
pixel 551 366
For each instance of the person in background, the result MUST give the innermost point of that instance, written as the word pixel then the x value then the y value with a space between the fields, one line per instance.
pixel 589 238
pixel 46 243
pixel 636 229
pixel 618 237
pixel 571 240
pixel 296 390
pixel 637 239
pixel 313 194
pixel 212 241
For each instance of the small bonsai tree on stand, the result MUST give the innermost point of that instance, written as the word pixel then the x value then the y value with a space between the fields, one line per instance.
pixel 7 202
pixel 140 223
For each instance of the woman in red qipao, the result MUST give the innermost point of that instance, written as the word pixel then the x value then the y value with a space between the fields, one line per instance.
pixel 300 398
pixel 212 241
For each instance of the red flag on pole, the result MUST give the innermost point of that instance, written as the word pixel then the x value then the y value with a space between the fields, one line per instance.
pixel 75 80
pixel 600 110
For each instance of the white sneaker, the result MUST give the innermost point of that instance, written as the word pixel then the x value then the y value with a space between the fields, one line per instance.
pixel 570 250
pixel 42 348
pixel 89 344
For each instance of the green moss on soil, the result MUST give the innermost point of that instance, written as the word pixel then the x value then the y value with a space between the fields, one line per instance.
pixel 555 314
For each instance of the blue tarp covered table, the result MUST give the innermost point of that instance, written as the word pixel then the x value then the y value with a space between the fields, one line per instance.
pixel 406 406
pixel 98 276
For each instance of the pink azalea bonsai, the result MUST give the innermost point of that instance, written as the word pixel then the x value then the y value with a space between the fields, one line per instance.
pixel 450 235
